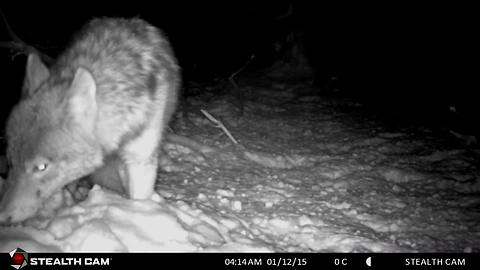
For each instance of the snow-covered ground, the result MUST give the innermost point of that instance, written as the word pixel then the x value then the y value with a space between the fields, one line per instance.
pixel 309 174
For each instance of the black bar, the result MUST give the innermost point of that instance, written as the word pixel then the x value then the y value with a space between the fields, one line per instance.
pixel 247 260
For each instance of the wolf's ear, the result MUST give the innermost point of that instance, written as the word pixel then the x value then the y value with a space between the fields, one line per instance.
pixel 35 73
pixel 82 103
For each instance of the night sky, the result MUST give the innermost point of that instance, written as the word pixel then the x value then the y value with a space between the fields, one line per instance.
pixel 417 59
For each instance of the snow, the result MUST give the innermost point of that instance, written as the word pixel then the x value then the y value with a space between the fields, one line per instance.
pixel 108 222
pixel 309 175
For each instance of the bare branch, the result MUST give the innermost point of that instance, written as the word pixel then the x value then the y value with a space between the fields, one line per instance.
pixel 10 32
pixel 19 46
pixel 231 78
pixel 287 13
pixel 219 125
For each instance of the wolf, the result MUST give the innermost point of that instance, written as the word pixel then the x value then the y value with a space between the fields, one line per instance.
pixel 101 107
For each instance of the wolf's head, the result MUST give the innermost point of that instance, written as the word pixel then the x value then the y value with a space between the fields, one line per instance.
pixel 50 137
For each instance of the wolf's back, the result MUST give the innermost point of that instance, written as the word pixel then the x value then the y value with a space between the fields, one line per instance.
pixel 135 71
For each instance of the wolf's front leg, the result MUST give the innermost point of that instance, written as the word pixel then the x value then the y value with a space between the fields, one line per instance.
pixel 141 162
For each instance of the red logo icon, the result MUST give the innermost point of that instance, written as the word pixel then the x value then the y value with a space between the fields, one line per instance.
pixel 19 258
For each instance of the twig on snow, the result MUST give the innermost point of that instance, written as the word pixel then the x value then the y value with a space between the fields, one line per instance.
pixel 219 124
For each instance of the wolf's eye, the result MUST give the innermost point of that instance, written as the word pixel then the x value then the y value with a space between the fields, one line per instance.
pixel 40 167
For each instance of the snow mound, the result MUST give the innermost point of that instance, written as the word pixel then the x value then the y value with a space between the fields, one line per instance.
pixel 107 222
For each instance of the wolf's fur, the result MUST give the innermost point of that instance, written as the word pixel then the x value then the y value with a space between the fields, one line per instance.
pixel 110 94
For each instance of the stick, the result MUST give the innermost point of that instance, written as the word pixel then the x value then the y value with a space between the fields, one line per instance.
pixel 219 124
pixel 19 45
pixel 231 79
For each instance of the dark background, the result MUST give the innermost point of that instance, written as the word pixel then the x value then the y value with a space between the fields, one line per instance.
pixel 409 59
